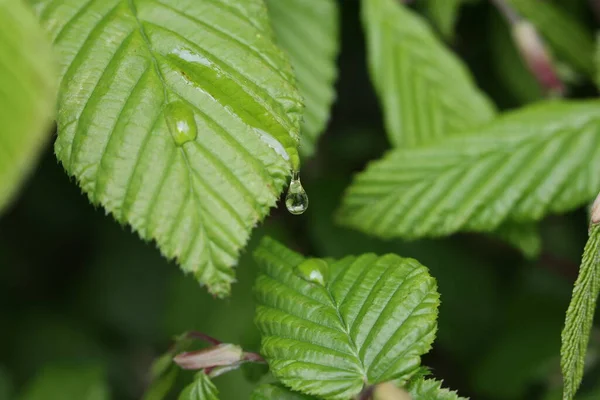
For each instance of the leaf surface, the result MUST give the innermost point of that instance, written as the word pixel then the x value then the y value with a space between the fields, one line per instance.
pixel 539 160
pixel 277 392
pixel 368 323
pixel 580 316
pixel 180 117
pixel 444 15
pixel 201 389
pixel 430 389
pixel 27 95
pixel 308 30
pixel 425 90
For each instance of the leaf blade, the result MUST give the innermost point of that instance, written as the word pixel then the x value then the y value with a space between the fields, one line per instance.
pixel 526 164
pixel 425 90
pixel 269 391
pixel 201 389
pixel 313 57
pixel 580 316
pixel 354 334
pixel 184 126
pixel 430 389
pixel 27 95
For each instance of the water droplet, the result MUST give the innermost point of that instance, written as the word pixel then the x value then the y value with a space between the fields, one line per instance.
pixel 181 122
pixel 313 270
pixel 296 199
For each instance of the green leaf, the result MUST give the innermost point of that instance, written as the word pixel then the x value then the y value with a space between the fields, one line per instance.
pixel 523 236
pixel 566 36
pixel 180 117
pixel 426 91
pixel 580 316
pixel 308 30
pixel 370 322
pixel 162 385
pixel 539 160
pixel 444 15
pixel 201 389
pixel 62 383
pixel 430 389
pixel 277 392
pixel 27 95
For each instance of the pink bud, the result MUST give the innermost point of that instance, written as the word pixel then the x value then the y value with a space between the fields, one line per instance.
pixel 216 356
pixel 534 52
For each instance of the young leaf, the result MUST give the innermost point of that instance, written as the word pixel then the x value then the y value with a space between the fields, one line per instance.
pixel 430 389
pixel 426 91
pixel 308 30
pixel 201 389
pixel 180 117
pixel 27 95
pixel 538 160
pixel 331 327
pixel 580 316
pixel 60 383
pixel 277 392
pixel 569 39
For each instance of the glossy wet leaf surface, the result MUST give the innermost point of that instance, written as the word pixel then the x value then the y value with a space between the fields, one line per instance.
pixel 367 322
pixel 180 117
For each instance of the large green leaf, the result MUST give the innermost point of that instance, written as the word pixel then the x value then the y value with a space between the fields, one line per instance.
pixel 27 95
pixel 277 392
pixel 63 383
pixel 308 30
pixel 430 389
pixel 580 316
pixel 331 327
pixel 201 389
pixel 538 160
pixel 426 91
pixel 568 37
pixel 180 117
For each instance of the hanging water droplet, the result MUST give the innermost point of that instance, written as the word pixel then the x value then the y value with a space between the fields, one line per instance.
pixel 313 270
pixel 296 199
pixel 181 122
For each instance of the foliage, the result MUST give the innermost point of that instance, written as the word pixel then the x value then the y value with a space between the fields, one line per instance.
pixel 308 30
pixel 26 95
pixel 426 91
pixel 201 389
pixel 520 167
pixel 184 120
pixel 580 315
pixel 367 320
pixel 182 126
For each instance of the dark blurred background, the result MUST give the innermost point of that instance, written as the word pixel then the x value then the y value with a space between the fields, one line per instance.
pixel 80 292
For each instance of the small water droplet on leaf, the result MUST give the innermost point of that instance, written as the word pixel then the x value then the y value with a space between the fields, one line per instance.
pixel 181 122
pixel 313 270
pixel 296 199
